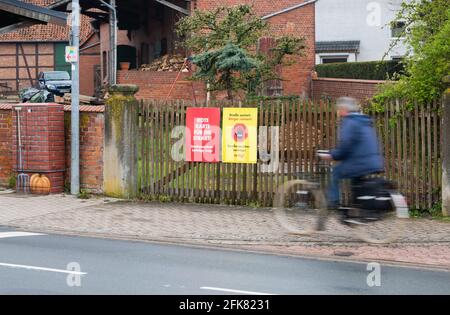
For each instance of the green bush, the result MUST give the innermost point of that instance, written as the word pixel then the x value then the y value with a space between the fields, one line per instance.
pixel 12 180
pixel 372 70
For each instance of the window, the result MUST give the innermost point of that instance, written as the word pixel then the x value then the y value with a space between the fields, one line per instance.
pixel 57 76
pixel 164 46
pixel 396 58
pixel 274 87
pixel 397 29
pixel 105 65
pixel 332 59
pixel 145 53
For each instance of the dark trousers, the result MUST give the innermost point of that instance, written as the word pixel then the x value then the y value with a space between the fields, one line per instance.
pixel 334 192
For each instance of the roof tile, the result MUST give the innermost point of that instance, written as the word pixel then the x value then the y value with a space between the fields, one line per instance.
pixel 47 33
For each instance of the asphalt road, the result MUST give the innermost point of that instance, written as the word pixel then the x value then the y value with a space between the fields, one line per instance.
pixel 51 264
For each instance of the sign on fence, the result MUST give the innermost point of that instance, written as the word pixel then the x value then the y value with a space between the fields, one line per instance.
pixel 239 135
pixel 203 135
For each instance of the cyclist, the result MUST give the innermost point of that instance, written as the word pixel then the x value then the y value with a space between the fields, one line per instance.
pixel 358 151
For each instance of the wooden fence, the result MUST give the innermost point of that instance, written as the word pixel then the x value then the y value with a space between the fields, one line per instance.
pixel 410 140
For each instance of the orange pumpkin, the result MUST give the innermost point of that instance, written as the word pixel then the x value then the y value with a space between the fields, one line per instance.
pixel 40 184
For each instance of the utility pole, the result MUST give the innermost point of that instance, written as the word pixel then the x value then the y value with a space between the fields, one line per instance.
pixel 75 141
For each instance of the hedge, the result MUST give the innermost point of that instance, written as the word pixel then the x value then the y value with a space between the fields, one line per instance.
pixel 372 70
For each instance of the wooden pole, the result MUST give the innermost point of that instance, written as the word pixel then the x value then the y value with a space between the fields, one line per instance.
pixel 446 149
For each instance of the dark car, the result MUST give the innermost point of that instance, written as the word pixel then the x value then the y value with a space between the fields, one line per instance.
pixel 56 82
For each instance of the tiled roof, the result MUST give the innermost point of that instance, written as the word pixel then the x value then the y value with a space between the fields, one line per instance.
pixel 46 33
pixel 87 108
pixel 6 106
pixel 333 46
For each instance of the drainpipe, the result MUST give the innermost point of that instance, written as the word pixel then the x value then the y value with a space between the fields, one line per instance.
pixel 112 41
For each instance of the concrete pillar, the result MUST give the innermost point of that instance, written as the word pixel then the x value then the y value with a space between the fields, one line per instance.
pixel 121 130
pixel 446 149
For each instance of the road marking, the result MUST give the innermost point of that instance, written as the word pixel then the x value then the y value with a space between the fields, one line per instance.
pixel 18 234
pixel 235 291
pixel 43 269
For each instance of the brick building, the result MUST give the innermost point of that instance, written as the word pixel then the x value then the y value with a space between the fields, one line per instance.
pixel 146 31
pixel 293 17
pixel 29 50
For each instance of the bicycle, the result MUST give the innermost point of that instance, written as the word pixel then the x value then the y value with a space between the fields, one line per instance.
pixel 376 211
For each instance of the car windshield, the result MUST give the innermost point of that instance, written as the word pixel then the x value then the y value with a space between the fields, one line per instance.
pixel 57 76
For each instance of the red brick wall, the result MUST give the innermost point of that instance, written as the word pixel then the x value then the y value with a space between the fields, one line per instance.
pixel 87 64
pixel 262 7
pixel 91 147
pixel 92 126
pixel 160 85
pixel 5 146
pixel 298 22
pixel 89 58
pixel 332 88
pixel 42 135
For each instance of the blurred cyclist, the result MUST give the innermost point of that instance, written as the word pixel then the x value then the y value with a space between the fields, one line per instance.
pixel 358 150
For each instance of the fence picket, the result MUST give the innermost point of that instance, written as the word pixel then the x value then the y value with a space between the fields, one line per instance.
pixel 436 170
pixel 429 156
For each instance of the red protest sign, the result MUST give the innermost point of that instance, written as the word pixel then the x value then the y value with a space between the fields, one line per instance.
pixel 203 135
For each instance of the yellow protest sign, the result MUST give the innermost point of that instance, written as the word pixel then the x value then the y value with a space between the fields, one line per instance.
pixel 239 135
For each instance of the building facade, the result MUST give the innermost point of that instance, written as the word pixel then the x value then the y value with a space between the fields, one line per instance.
pixel 145 32
pixel 33 49
pixel 148 32
pixel 357 30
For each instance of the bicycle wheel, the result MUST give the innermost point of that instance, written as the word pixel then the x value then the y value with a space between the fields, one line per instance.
pixel 382 229
pixel 300 207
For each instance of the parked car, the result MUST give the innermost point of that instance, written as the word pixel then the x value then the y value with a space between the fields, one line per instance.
pixel 56 82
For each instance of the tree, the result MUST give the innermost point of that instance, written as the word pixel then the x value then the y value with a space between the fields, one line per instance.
pixel 219 65
pixel 426 33
pixel 224 44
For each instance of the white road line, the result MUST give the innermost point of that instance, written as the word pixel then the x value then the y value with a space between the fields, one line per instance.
pixel 43 269
pixel 18 234
pixel 235 291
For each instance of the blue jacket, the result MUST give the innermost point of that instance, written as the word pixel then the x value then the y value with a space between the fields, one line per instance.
pixel 358 149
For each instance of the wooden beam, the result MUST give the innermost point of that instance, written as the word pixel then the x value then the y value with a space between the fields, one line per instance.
pixel 173 6
pixel 26 64
pixel 15 27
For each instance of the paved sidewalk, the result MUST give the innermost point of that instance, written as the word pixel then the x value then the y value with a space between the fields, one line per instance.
pixel 424 242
